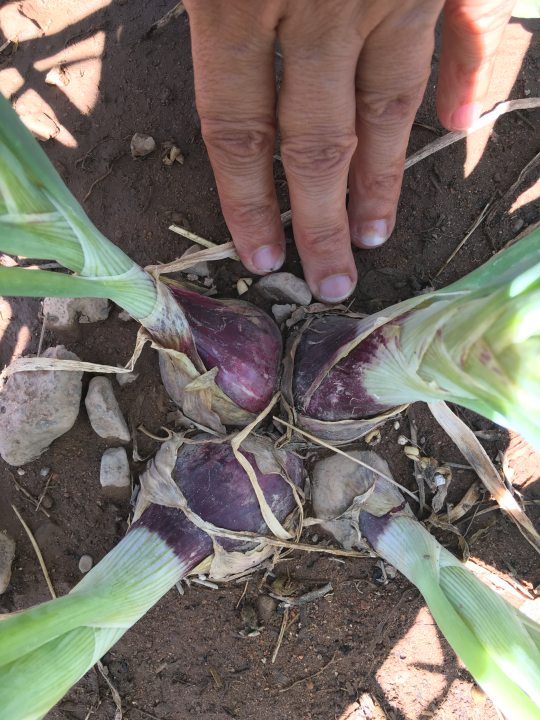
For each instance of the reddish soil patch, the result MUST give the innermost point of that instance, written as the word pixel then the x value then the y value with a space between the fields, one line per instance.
pixel 186 658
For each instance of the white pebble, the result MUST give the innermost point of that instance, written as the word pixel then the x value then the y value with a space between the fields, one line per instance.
pixel 20 472
pixel 126 378
pixel 104 412
pixel 85 563
pixel 282 312
pixel 284 287
pixel 38 407
pixel 44 471
pixel 114 469
pixel 142 145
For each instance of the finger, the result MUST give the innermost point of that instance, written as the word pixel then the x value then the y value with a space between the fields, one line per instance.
pixel 472 32
pixel 316 118
pixel 233 56
pixel 389 89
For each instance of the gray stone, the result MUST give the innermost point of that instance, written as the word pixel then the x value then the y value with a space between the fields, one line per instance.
pixel 104 412
pixel 282 312
pixel 114 471
pixel 64 313
pixel 85 563
pixel 284 287
pixel 7 554
pixel 126 378
pixel 142 144
pixel 36 407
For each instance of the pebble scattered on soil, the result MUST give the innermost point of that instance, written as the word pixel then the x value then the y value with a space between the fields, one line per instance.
pixel 114 471
pixel 284 287
pixel 7 553
pixel 64 313
pixel 142 144
pixel 85 563
pixel 36 407
pixel 266 607
pixel 126 378
pixel 282 312
pixel 243 285
pixel 104 412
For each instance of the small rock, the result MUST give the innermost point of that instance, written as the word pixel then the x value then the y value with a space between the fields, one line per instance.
pixel 85 563
pixel 282 312
pixel 243 285
pixel 142 145
pixel 47 502
pixel 63 313
pixel 20 472
pixel 124 316
pixel 199 269
pixel 104 412
pixel 126 378
pixel 44 471
pixel 518 224
pixel 114 474
pixel 284 287
pixel 266 607
pixel 7 554
pixel 36 407
pixel 172 154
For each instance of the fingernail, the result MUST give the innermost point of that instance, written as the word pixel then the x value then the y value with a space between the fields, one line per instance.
pixel 465 116
pixel 371 234
pixel 268 258
pixel 335 288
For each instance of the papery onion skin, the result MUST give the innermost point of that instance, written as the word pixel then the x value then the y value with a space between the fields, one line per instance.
pixel 241 340
pixel 340 394
pixel 218 489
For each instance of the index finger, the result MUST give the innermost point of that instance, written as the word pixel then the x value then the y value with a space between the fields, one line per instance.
pixel 236 98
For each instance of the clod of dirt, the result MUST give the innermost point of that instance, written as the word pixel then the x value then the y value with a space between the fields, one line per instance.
pixel 63 313
pixel 142 145
pixel 172 154
pixel 266 608
pixel 36 407
pixel 104 412
pixel 114 474
pixel 282 312
pixel 58 76
pixel 126 378
pixel 7 554
pixel 199 269
pixel 284 287
pixel 85 563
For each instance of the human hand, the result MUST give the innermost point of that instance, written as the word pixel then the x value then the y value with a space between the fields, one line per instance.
pixel 354 75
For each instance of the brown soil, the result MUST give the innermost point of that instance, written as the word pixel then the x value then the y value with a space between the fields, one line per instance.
pixel 186 658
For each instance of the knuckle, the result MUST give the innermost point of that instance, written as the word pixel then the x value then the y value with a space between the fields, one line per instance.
pixel 232 144
pixel 325 241
pixel 382 185
pixel 376 108
pixel 318 159
pixel 478 19
pixel 261 214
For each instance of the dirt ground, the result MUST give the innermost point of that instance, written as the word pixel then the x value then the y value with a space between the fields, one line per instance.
pixel 367 650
